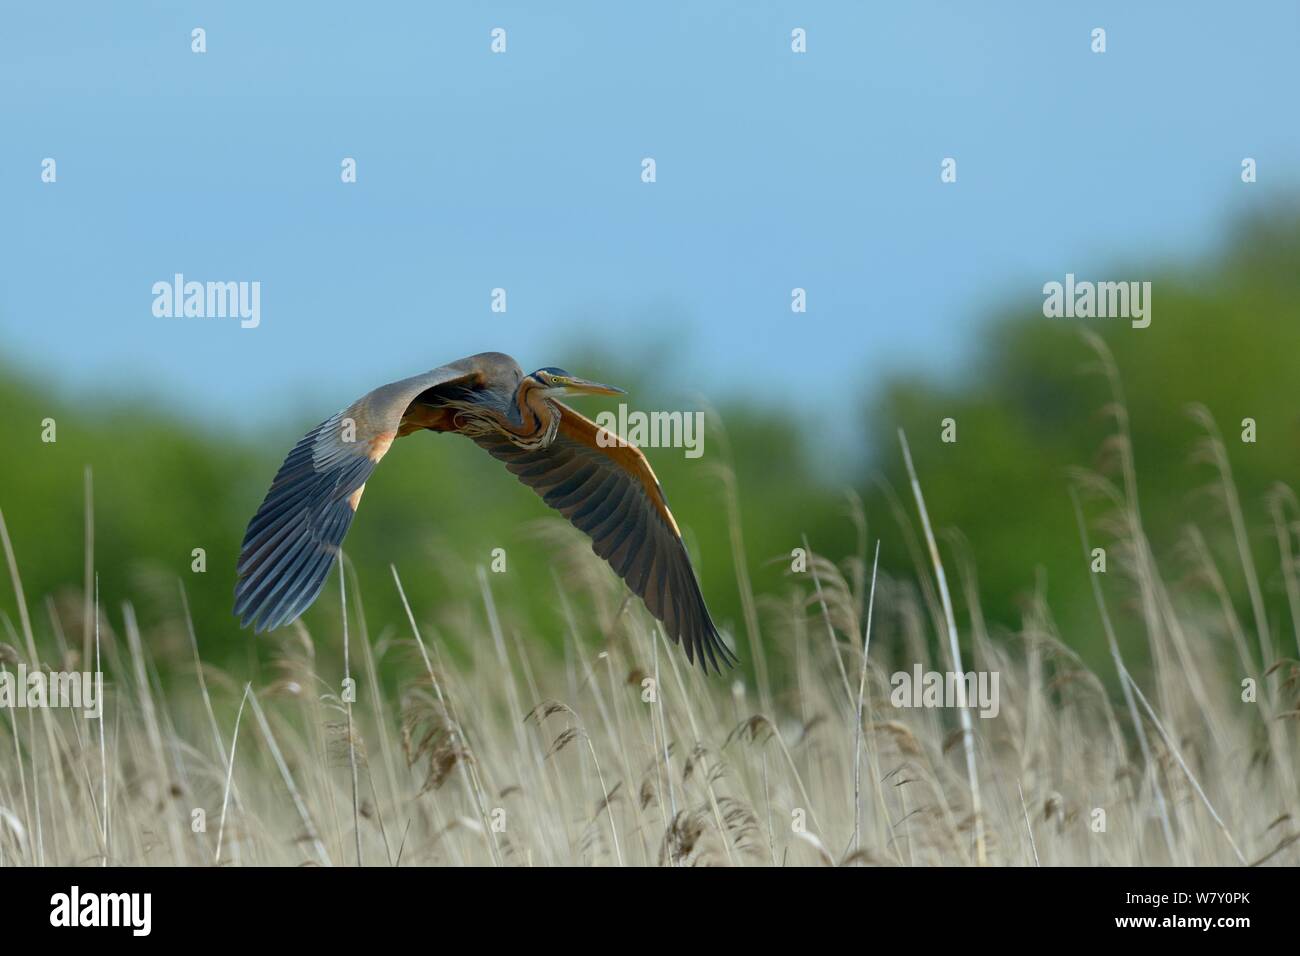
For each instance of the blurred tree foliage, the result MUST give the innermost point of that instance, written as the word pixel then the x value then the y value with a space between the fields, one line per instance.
pixel 1225 333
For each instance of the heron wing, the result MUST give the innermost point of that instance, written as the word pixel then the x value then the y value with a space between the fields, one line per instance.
pixel 292 540
pixel 609 491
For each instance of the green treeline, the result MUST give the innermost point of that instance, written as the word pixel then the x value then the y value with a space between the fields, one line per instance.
pixel 1028 408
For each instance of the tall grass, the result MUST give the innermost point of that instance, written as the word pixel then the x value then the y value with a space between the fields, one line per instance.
pixel 471 743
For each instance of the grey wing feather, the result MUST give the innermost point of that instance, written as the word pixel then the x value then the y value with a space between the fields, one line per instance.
pixel 292 540
pixel 632 532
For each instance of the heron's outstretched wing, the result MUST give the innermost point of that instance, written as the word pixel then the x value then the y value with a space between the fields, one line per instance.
pixel 291 542
pixel 610 492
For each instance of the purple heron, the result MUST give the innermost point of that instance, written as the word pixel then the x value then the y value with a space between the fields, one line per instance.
pixel 606 489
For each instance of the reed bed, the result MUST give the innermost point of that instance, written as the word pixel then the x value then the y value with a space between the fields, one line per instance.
pixel 458 737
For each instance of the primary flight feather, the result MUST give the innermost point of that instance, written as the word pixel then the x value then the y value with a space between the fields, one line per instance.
pixel 606 489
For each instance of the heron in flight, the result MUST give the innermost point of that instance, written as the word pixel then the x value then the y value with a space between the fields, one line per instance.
pixel 605 488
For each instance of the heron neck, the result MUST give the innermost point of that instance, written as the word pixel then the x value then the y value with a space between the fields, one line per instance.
pixel 536 418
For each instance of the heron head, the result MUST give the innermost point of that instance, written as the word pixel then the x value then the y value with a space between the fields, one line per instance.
pixel 556 381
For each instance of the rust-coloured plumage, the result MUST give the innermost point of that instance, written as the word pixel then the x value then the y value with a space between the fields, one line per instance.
pixel 604 487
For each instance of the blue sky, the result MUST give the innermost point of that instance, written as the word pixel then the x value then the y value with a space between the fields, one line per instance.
pixel 522 171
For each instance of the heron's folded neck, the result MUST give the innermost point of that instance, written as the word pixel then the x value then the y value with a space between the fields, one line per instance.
pixel 539 417
pixel 531 420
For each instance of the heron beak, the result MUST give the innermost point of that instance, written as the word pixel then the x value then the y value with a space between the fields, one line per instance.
pixel 580 386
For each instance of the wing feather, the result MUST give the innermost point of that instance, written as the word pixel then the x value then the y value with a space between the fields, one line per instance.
pixel 611 494
pixel 292 540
